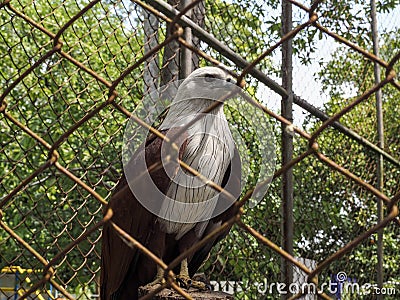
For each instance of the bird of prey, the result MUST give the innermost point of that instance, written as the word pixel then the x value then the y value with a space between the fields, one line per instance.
pixel 208 147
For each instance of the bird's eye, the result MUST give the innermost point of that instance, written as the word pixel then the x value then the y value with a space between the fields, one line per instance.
pixel 209 77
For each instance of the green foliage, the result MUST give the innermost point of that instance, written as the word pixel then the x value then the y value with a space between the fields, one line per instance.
pixel 342 208
pixel 240 26
pixel 52 210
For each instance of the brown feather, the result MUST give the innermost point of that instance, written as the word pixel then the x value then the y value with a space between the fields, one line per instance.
pixel 120 262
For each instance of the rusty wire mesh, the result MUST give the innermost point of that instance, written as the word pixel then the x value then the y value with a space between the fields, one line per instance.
pixel 72 72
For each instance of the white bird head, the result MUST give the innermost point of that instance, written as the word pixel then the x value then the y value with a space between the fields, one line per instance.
pixel 197 92
pixel 209 83
pixel 210 73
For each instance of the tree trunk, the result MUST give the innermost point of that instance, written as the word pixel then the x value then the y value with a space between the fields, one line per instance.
pixel 151 66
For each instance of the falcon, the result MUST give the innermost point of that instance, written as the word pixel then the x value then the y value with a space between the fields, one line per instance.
pixel 188 209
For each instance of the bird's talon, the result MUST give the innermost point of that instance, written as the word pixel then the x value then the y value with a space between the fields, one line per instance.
pixel 154 284
pixel 201 286
pixel 184 281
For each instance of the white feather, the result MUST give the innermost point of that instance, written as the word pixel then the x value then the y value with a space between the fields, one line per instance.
pixel 209 149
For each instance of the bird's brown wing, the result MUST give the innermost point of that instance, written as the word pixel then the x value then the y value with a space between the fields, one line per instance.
pixel 232 183
pixel 119 262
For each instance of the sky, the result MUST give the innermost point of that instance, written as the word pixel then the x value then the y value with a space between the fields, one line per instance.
pixel 305 83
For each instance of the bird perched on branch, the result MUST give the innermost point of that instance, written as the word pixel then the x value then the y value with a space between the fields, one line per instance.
pixel 188 208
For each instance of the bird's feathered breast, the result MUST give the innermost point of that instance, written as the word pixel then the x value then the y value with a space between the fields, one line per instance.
pixel 209 150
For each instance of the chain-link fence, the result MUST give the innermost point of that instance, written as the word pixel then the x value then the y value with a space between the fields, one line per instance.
pixel 72 72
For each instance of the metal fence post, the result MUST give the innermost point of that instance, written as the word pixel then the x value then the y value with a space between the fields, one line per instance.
pixel 287 148
pixel 381 144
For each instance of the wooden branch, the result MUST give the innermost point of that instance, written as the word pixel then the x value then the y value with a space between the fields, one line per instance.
pixel 170 294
